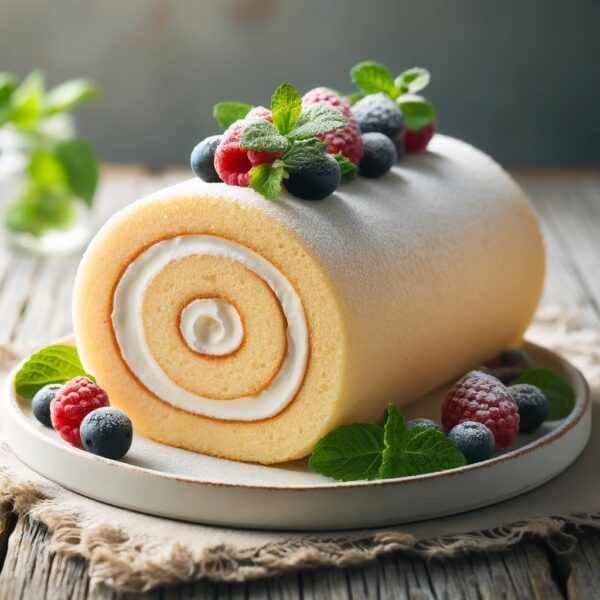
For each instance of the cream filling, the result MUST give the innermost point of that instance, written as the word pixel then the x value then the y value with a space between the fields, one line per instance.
pixel 199 325
pixel 211 326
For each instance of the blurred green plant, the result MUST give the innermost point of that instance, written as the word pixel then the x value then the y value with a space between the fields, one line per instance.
pixel 60 172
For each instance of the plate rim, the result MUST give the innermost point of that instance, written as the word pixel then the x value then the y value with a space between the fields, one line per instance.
pixel 13 403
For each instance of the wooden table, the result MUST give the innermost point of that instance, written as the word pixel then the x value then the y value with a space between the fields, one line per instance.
pixel 35 306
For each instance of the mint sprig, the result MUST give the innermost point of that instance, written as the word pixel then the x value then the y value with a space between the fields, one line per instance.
pixel 373 78
pixel 54 364
pixel 227 113
pixel 559 393
pixel 292 134
pixel 367 451
pixel 347 167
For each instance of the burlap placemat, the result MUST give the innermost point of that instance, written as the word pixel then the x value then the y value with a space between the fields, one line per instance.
pixel 133 552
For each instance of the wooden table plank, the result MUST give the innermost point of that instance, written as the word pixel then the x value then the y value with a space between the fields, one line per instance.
pixel 35 300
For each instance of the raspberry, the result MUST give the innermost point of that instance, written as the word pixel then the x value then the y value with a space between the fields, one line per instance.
pixel 416 140
pixel 232 162
pixel 75 399
pixel 482 398
pixel 346 139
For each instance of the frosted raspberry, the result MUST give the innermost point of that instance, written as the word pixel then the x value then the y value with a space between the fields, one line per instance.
pixel 483 398
pixel 416 140
pixel 232 162
pixel 75 399
pixel 346 139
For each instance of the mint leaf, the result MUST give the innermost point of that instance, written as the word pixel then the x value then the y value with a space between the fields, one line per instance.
pixel 354 98
pixel 8 83
pixel 80 164
pixel 41 209
pixel 266 179
pixel 416 113
pixel 349 452
pixel 372 77
pixel 263 136
pixel 418 450
pixel 316 120
pixel 347 167
pixel 304 151
pixel 226 113
pixel 45 169
pixel 68 95
pixel 412 80
pixel 286 106
pixel 54 364
pixel 27 101
pixel 560 395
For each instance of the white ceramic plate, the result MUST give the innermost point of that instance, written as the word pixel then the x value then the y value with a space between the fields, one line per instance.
pixel 165 481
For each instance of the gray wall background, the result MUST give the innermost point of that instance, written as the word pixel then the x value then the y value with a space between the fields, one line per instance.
pixel 520 79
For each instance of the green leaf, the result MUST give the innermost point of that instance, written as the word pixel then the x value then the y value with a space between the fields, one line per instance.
pixel 416 113
pixel 45 170
pixel 304 151
pixel 286 106
pixel 560 395
pixel 418 450
pixel 349 452
pixel 8 84
pixel 68 95
pixel 80 164
pixel 227 113
pixel 354 98
pixel 266 179
pixel 347 167
pixel 41 209
pixel 263 136
pixel 316 120
pixel 53 364
pixel 27 101
pixel 412 80
pixel 372 77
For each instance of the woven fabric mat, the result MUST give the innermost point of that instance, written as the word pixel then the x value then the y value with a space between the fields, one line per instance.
pixel 133 552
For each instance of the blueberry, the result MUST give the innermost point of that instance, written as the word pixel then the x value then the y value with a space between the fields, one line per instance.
pixel 532 405
pixel 377 113
pixel 380 155
pixel 515 358
pixel 427 423
pixel 314 180
pixel 474 439
pixel 202 160
pixel 41 403
pixel 107 432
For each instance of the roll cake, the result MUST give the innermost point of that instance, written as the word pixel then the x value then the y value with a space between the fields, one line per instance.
pixel 225 324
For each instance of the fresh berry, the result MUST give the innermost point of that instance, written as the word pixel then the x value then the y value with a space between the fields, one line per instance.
pixel 314 180
pixel 260 112
pixel 508 365
pixel 202 160
pixel 75 399
pixel 416 140
pixel 379 157
pixel 474 439
pixel 345 139
pixel 426 423
pixel 107 432
pixel 40 405
pixel 532 405
pixel 377 113
pixel 323 95
pixel 483 398
pixel 232 162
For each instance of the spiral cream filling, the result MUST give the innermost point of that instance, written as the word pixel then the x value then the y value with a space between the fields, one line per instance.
pixel 208 326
